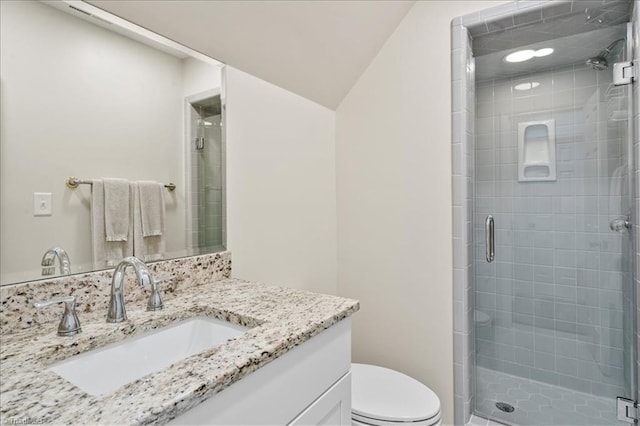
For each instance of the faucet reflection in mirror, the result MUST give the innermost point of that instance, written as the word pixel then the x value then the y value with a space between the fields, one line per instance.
pixel 48 262
pixel 132 98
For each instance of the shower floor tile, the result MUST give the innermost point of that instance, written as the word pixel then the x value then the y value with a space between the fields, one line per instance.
pixel 480 421
pixel 539 404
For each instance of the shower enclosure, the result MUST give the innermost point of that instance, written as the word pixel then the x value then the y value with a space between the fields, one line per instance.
pixel 544 287
pixel 206 156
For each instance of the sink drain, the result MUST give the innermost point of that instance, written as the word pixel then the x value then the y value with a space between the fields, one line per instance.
pixel 503 406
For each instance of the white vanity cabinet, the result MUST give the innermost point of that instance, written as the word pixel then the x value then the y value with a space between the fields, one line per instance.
pixel 308 385
pixel 332 408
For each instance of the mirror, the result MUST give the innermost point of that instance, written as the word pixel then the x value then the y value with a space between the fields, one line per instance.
pixel 88 95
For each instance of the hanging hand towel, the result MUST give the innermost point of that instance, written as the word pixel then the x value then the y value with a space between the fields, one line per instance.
pixel 105 253
pixel 146 248
pixel 151 208
pixel 116 209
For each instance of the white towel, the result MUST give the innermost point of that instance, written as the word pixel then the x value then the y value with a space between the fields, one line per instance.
pixel 105 253
pixel 145 248
pixel 151 208
pixel 116 209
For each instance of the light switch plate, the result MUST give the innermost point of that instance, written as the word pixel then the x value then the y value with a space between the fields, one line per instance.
pixel 42 204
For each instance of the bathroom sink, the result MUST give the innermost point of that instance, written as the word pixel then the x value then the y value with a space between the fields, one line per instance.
pixel 104 370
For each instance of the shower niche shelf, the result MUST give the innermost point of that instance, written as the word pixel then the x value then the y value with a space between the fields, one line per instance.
pixel 537 151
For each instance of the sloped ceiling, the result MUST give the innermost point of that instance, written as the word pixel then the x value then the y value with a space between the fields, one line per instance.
pixel 316 49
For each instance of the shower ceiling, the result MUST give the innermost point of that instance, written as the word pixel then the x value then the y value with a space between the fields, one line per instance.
pixel 577 30
pixel 561 20
pixel 208 107
pixel 567 50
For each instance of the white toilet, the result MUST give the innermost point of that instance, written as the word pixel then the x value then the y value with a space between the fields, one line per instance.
pixel 481 319
pixel 383 397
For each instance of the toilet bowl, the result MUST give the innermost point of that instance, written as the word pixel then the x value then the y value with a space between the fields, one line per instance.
pixel 383 397
pixel 481 319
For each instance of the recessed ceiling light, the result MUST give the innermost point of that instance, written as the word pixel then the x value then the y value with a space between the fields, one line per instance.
pixel 527 86
pixel 520 56
pixel 525 55
pixel 544 52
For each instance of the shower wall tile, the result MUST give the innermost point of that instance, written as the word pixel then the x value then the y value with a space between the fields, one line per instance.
pixel 207 186
pixel 555 291
pixel 635 261
pixel 463 166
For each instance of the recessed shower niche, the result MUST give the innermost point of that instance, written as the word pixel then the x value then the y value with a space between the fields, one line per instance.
pixel 537 151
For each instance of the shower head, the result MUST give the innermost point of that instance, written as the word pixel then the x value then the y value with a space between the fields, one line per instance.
pixel 600 62
pixel 597 63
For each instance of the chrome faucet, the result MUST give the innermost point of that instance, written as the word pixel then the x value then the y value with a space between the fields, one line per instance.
pixel 69 324
pixel 49 258
pixel 117 312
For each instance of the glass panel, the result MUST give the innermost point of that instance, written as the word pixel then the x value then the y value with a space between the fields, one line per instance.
pixel 553 312
pixel 207 172
pixel 211 223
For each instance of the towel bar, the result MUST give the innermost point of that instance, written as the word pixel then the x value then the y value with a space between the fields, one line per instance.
pixel 73 182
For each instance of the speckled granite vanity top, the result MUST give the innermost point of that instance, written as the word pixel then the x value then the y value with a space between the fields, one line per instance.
pixel 279 319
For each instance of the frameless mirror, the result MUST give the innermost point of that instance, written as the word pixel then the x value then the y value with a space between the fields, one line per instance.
pixel 88 95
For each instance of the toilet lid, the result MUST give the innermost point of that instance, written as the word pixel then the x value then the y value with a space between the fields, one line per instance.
pixel 384 394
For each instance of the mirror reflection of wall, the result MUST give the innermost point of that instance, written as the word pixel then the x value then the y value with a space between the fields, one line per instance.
pixel 81 100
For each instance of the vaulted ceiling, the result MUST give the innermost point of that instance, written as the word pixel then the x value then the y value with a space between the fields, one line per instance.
pixel 316 49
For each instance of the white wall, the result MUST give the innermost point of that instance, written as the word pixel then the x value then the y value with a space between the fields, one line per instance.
pixel 79 100
pixel 393 162
pixel 281 185
pixel 199 77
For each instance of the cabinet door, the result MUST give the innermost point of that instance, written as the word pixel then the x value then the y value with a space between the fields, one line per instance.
pixel 280 390
pixel 332 408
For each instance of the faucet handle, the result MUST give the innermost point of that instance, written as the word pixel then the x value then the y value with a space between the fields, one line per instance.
pixel 69 324
pixel 155 301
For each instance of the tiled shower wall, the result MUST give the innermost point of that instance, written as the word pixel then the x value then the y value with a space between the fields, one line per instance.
pixel 462 64
pixel 554 293
pixel 211 186
pixel 207 186
pixel 636 184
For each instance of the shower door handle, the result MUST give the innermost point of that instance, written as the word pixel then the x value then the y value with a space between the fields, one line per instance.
pixel 490 247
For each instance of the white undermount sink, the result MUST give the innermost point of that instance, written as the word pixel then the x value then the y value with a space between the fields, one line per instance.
pixel 104 370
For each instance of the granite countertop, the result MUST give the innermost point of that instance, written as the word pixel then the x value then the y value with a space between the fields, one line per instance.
pixel 279 319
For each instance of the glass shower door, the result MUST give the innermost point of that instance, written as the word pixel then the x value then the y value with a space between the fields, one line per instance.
pixel 554 309
pixel 206 173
